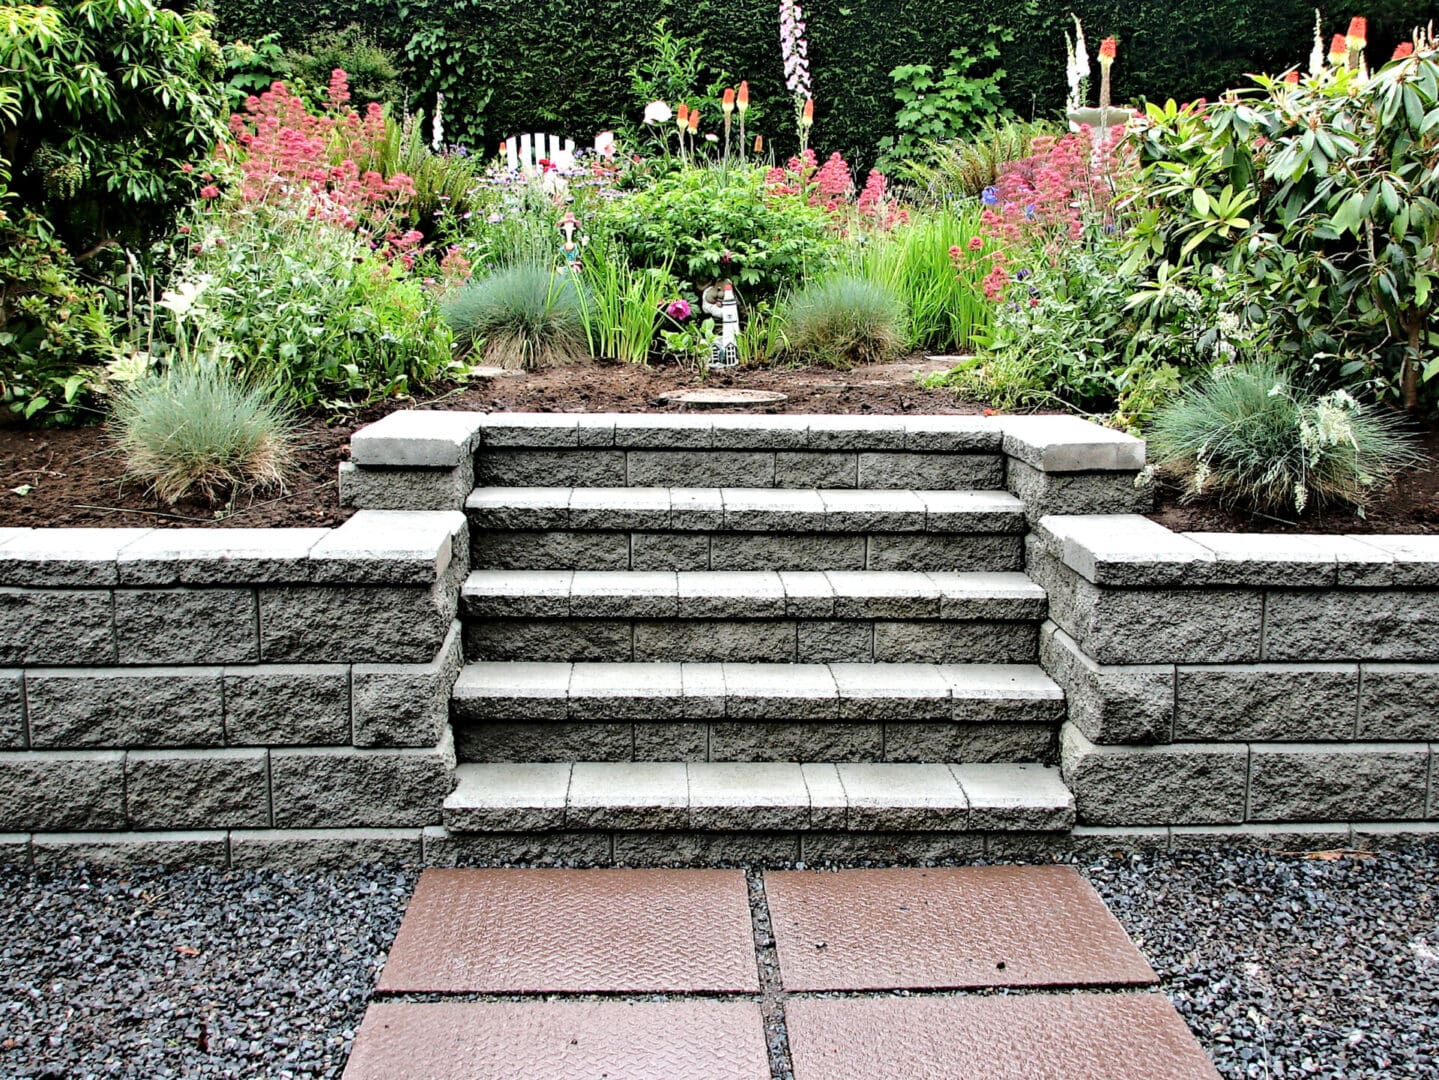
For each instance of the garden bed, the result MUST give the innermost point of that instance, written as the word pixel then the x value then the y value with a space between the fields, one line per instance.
pixel 75 476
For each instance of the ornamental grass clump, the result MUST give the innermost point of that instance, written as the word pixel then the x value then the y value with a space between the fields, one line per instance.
pixel 520 316
pixel 197 430
pixel 1253 438
pixel 846 320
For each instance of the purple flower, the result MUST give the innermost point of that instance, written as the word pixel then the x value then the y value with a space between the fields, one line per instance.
pixel 990 195
pixel 678 310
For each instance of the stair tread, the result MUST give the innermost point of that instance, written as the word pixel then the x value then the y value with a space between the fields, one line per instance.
pixel 836 691
pixel 758 795
pixel 818 510
pixel 814 594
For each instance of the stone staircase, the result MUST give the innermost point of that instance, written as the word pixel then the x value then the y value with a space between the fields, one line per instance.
pixel 750 638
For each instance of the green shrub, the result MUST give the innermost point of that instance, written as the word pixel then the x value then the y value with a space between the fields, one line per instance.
pixel 943 170
pixel 305 306
pixel 845 320
pixel 953 103
pixel 198 430
pixel 1252 437
pixel 371 69
pixel 523 316
pixel 708 224
pixel 620 306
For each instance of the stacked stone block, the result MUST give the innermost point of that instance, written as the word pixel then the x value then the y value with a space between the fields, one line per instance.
pixel 229 696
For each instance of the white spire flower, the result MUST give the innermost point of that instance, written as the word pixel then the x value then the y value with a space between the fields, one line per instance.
pixel 437 129
pixel 1316 58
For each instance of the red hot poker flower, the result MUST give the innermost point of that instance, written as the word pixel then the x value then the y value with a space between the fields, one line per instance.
pixel 742 99
pixel 1338 49
pixel 1358 33
pixel 1292 78
pixel 694 121
pixel 728 104
pixel 807 117
pixel 1107 49
pixel 1403 49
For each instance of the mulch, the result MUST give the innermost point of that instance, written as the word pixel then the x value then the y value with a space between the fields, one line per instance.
pixel 75 477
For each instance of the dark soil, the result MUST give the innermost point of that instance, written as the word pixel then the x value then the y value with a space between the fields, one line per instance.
pixel 75 477
pixel 1409 505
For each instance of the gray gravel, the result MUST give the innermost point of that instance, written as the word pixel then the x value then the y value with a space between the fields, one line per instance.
pixel 1284 966
pixel 195 973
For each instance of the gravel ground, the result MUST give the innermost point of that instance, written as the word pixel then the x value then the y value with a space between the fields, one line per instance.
pixel 1284 966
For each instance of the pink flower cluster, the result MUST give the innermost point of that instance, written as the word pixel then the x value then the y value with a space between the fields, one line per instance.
pixel 876 205
pixel 831 186
pixel 288 155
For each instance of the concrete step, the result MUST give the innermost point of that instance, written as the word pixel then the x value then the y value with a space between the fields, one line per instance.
pixel 752 616
pixel 655 450
pixel 757 797
pixel 547 712
pixel 700 528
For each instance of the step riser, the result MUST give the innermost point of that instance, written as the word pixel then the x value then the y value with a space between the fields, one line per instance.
pixel 565 549
pixel 790 469
pixel 994 741
pixel 803 641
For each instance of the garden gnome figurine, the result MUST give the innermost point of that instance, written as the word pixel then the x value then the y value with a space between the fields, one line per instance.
pixel 726 349
pixel 570 247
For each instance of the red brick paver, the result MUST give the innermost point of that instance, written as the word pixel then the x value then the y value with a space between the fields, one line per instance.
pixel 551 1040
pixel 967 927
pixel 577 931
pixel 1019 1037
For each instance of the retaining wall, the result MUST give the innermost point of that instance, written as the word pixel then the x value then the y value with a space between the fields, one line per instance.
pixel 245 696
pixel 1275 688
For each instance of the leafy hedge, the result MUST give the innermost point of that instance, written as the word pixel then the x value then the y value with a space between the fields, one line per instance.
pixel 561 65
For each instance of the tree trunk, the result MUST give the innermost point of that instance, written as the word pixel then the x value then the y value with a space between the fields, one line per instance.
pixel 1409 373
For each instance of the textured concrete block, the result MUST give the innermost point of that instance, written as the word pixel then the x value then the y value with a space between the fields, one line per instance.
pixel 62 790
pixel 839 431
pixel 931 472
pixel 965 743
pixel 547 742
pixel 533 550
pixel 196 789
pixel 803 469
pixel 635 691
pixel 704 690
pixel 956 642
pixel 1275 702
pixel 1350 625
pixel 125 707
pixel 704 641
pixel 735 740
pixel 12 710
pixel 887 796
pixel 1184 784
pixel 624 508
pixel 767 691
pixel 669 551
pixel 807 594
pixel 739 594
pixel 1069 444
pixel 1045 493
pixel 762 431
pixel 938 551
pixel 797 551
pixel 890 848
pixel 1148 626
pixel 687 848
pixel 1083 842
pixel 828 800
pixel 780 510
pixel 971 512
pixel 406 489
pixel 569 848
pixel 342 788
pixel 1390 836
pixel 550 468
pixel 872 511
pixel 186 626
pixel 701 468
pixel 1399 701
pixel 406 704
pixel 603 594
pixel 323 849
pixel 508 797
pixel 1111 704
pixel 1126 550
pixel 877 692
pixel 1011 796
pixel 518 508
pixel 550 640
pixel 53 626
pixel 43 558
pixel 1349 782
pixel 1288 837
pixel 668 740
pixel 533 429
pixel 500 691
pixel 696 509
pixel 953 434
pixel 743 796
pixel 218 556
pixel 824 641
pixel 325 624
pixel 440 438
pixel 628 795
pixel 877 594
pixel 14 847
pixel 287 705
pixel 1416 558
pixel 122 851
pixel 1270 560
pixel 665 431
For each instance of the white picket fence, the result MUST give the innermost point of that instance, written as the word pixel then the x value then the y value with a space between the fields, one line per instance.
pixel 525 152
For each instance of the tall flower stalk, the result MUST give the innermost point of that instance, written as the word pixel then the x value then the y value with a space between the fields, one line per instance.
pixel 794 50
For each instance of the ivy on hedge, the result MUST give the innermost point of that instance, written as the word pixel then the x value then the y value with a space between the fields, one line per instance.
pixel 561 65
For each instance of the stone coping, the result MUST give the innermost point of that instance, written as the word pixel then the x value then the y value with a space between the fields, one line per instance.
pixel 1131 550
pixel 373 547
pixel 1061 444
